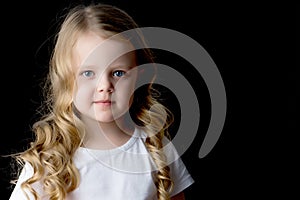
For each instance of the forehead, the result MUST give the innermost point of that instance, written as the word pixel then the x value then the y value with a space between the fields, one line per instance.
pixel 92 49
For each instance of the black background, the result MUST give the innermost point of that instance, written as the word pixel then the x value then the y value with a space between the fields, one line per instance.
pixel 243 39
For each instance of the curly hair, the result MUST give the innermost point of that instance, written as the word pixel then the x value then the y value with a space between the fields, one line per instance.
pixel 60 132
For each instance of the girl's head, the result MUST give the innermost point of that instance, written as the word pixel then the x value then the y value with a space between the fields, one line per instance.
pixel 94 63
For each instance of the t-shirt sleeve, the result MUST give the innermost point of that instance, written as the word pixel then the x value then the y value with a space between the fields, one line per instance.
pixel 18 193
pixel 178 171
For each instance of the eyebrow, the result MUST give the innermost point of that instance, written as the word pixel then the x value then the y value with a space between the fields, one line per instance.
pixel 113 66
pixel 85 67
pixel 122 66
pixel 123 63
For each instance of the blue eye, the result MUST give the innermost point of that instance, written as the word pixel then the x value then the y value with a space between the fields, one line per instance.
pixel 118 73
pixel 88 73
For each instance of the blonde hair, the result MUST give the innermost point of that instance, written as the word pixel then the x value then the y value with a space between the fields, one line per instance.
pixel 60 132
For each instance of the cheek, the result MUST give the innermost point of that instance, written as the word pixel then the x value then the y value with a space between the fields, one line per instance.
pixel 83 95
pixel 125 90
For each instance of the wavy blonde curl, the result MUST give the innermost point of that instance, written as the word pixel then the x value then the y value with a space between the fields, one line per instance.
pixel 60 132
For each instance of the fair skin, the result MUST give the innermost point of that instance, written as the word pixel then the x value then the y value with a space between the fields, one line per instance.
pixel 108 84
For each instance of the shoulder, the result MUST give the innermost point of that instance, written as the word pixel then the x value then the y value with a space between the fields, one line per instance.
pixel 26 173
pixel 178 171
pixel 168 147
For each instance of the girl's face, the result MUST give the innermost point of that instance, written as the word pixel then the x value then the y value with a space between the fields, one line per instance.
pixel 105 77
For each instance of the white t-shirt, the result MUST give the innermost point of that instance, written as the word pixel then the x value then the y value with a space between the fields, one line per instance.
pixel 123 173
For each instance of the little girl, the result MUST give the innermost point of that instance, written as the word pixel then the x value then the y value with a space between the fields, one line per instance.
pixel 102 138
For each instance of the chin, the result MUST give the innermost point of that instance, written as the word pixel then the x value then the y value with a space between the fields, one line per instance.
pixel 109 117
pixel 105 120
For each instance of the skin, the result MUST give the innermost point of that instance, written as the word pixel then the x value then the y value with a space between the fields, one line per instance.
pixel 106 78
pixel 107 85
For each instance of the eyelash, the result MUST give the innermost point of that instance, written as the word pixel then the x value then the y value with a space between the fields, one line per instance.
pixel 118 71
pixel 90 73
pixel 87 71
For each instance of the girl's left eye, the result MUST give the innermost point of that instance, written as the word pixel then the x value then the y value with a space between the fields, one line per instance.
pixel 119 73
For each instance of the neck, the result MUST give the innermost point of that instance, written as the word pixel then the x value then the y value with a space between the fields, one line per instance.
pixel 105 135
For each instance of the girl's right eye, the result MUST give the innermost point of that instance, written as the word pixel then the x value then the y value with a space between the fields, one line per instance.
pixel 88 73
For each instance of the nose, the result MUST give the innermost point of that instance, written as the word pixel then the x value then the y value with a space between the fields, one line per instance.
pixel 105 85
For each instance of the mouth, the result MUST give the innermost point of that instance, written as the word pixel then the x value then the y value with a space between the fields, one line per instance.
pixel 103 102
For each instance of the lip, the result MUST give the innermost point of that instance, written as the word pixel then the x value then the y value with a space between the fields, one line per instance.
pixel 103 102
